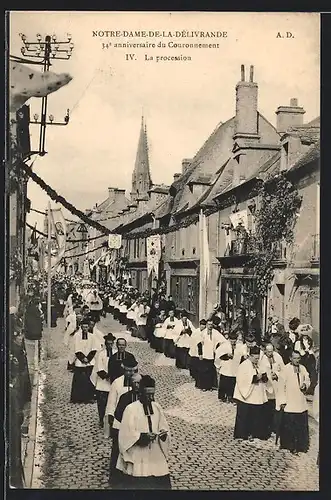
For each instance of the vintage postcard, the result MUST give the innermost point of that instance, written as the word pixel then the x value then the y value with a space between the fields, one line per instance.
pixel 163 180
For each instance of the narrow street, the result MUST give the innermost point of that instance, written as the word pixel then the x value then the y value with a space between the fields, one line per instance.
pixel 204 455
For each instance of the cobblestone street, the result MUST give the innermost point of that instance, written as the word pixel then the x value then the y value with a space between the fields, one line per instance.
pixel 72 452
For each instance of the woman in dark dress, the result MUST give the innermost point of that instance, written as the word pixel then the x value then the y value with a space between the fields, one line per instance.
pixel 33 320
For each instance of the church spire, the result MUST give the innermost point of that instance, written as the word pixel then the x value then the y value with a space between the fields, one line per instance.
pixel 141 177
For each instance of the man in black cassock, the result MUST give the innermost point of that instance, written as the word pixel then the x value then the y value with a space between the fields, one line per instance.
pixel 115 361
pixel 124 401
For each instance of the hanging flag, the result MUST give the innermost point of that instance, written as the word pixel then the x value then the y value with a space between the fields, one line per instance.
pixel 228 240
pixel 115 241
pixel 205 250
pixel 101 258
pixel 82 228
pixel 107 259
pixel 33 237
pixel 86 269
pixel 58 244
pixel 204 264
pixel 239 217
pixel 153 253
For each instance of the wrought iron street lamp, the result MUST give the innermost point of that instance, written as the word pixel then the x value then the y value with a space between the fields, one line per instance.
pixel 47 50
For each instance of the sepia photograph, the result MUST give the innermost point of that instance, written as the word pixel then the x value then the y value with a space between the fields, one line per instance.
pixel 163 206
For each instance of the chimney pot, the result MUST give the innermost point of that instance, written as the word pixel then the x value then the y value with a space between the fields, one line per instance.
pixel 246 121
pixel 176 176
pixel 251 74
pixel 186 162
pixel 289 116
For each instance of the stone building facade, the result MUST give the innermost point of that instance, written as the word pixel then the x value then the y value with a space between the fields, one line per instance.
pixel 218 187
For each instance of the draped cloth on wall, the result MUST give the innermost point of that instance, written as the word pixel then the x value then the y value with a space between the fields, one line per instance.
pixel 58 244
pixel 239 217
pixel 204 264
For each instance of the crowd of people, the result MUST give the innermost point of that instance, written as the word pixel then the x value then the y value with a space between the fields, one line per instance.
pixel 267 377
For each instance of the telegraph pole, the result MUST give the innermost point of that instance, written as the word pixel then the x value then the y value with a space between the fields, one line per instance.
pixel 46 51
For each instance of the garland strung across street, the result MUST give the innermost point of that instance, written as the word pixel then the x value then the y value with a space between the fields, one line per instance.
pixel 60 199
pixel 71 220
pixel 68 239
pixel 275 220
pixel 84 253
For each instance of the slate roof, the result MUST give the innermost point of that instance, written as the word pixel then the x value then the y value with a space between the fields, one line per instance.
pixel 311 155
pixel 309 133
pixel 197 166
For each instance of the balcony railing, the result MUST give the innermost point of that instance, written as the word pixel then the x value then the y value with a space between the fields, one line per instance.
pixel 280 251
pixel 316 248
pixel 244 246
pixel 250 246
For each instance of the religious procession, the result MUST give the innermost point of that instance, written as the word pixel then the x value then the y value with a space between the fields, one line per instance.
pixel 164 332
pixel 265 377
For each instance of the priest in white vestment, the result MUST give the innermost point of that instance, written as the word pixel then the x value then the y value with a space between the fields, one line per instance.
pixel 98 335
pixel 171 335
pixel 193 353
pixel 82 389
pixel 124 401
pixel 144 442
pixel 206 371
pixel 159 332
pixel 141 319
pixel 184 330
pixel 294 433
pixel 136 310
pixel 69 335
pixel 227 360
pixel 95 304
pixel 100 375
pixel 251 396
pixel 118 387
pixel 131 317
pixel 272 364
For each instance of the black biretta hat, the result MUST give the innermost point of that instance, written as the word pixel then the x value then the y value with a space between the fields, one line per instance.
pixel 146 381
pixel 109 337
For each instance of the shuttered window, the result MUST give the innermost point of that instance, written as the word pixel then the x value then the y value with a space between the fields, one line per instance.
pixel 185 292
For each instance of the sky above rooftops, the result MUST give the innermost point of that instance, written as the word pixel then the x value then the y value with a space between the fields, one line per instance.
pixel 182 101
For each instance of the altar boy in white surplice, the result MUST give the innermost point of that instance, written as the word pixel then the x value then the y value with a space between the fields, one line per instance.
pixel 227 360
pixel 272 363
pixel 294 433
pixel 100 377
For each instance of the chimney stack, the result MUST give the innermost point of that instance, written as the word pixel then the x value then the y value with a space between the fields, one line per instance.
pixel 251 74
pixel 289 116
pixel 111 194
pixel 119 195
pixel 186 162
pixel 246 121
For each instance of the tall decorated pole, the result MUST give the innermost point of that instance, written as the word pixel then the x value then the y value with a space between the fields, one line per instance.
pixel 49 266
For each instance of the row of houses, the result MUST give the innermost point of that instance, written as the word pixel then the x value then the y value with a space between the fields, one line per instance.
pixel 219 189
